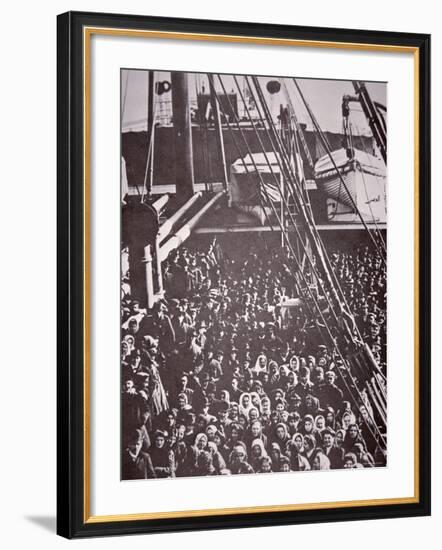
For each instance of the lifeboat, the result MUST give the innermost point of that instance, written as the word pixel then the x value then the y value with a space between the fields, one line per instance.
pixel 365 185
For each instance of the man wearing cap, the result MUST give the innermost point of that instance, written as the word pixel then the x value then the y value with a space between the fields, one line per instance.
pixel 332 395
pixel 332 452
pixel 304 385
pixel 163 459
pixel 135 463
pixel 205 414
pixel 183 388
pixel 223 421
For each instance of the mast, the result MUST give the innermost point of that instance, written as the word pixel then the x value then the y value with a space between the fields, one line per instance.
pixel 183 135
pixel 150 130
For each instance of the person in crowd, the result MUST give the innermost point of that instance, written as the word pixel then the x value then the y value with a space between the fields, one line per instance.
pixel 238 460
pixel 321 462
pixel 351 462
pixel 332 451
pixel 352 437
pixel 136 464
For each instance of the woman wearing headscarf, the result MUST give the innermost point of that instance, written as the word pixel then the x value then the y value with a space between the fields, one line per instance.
pixel 201 441
pixel 245 404
pixel 257 452
pixel 211 431
pixel 188 463
pixel 280 435
pixel 307 425
pixel 125 352
pixel 321 462
pixel 347 418
pixel 218 461
pixel 276 455
pixel 130 341
pixel 260 365
pixel 294 363
pixel 353 436
pixel 295 447
pixel 238 460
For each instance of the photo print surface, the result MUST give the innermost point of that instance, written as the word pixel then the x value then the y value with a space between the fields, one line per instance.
pixel 253 274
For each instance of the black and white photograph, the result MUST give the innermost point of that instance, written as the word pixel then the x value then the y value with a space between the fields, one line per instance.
pixel 253 274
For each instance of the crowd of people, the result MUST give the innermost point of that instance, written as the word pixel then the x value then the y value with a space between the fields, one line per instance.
pixel 219 378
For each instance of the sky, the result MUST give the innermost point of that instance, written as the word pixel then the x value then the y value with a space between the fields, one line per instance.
pixel 323 96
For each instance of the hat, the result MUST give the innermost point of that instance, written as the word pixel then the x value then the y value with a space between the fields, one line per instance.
pixel 160 433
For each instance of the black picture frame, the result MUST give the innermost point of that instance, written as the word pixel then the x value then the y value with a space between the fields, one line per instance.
pixel 71 519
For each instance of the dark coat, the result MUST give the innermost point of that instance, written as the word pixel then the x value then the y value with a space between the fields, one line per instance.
pixel 140 468
pixel 336 457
